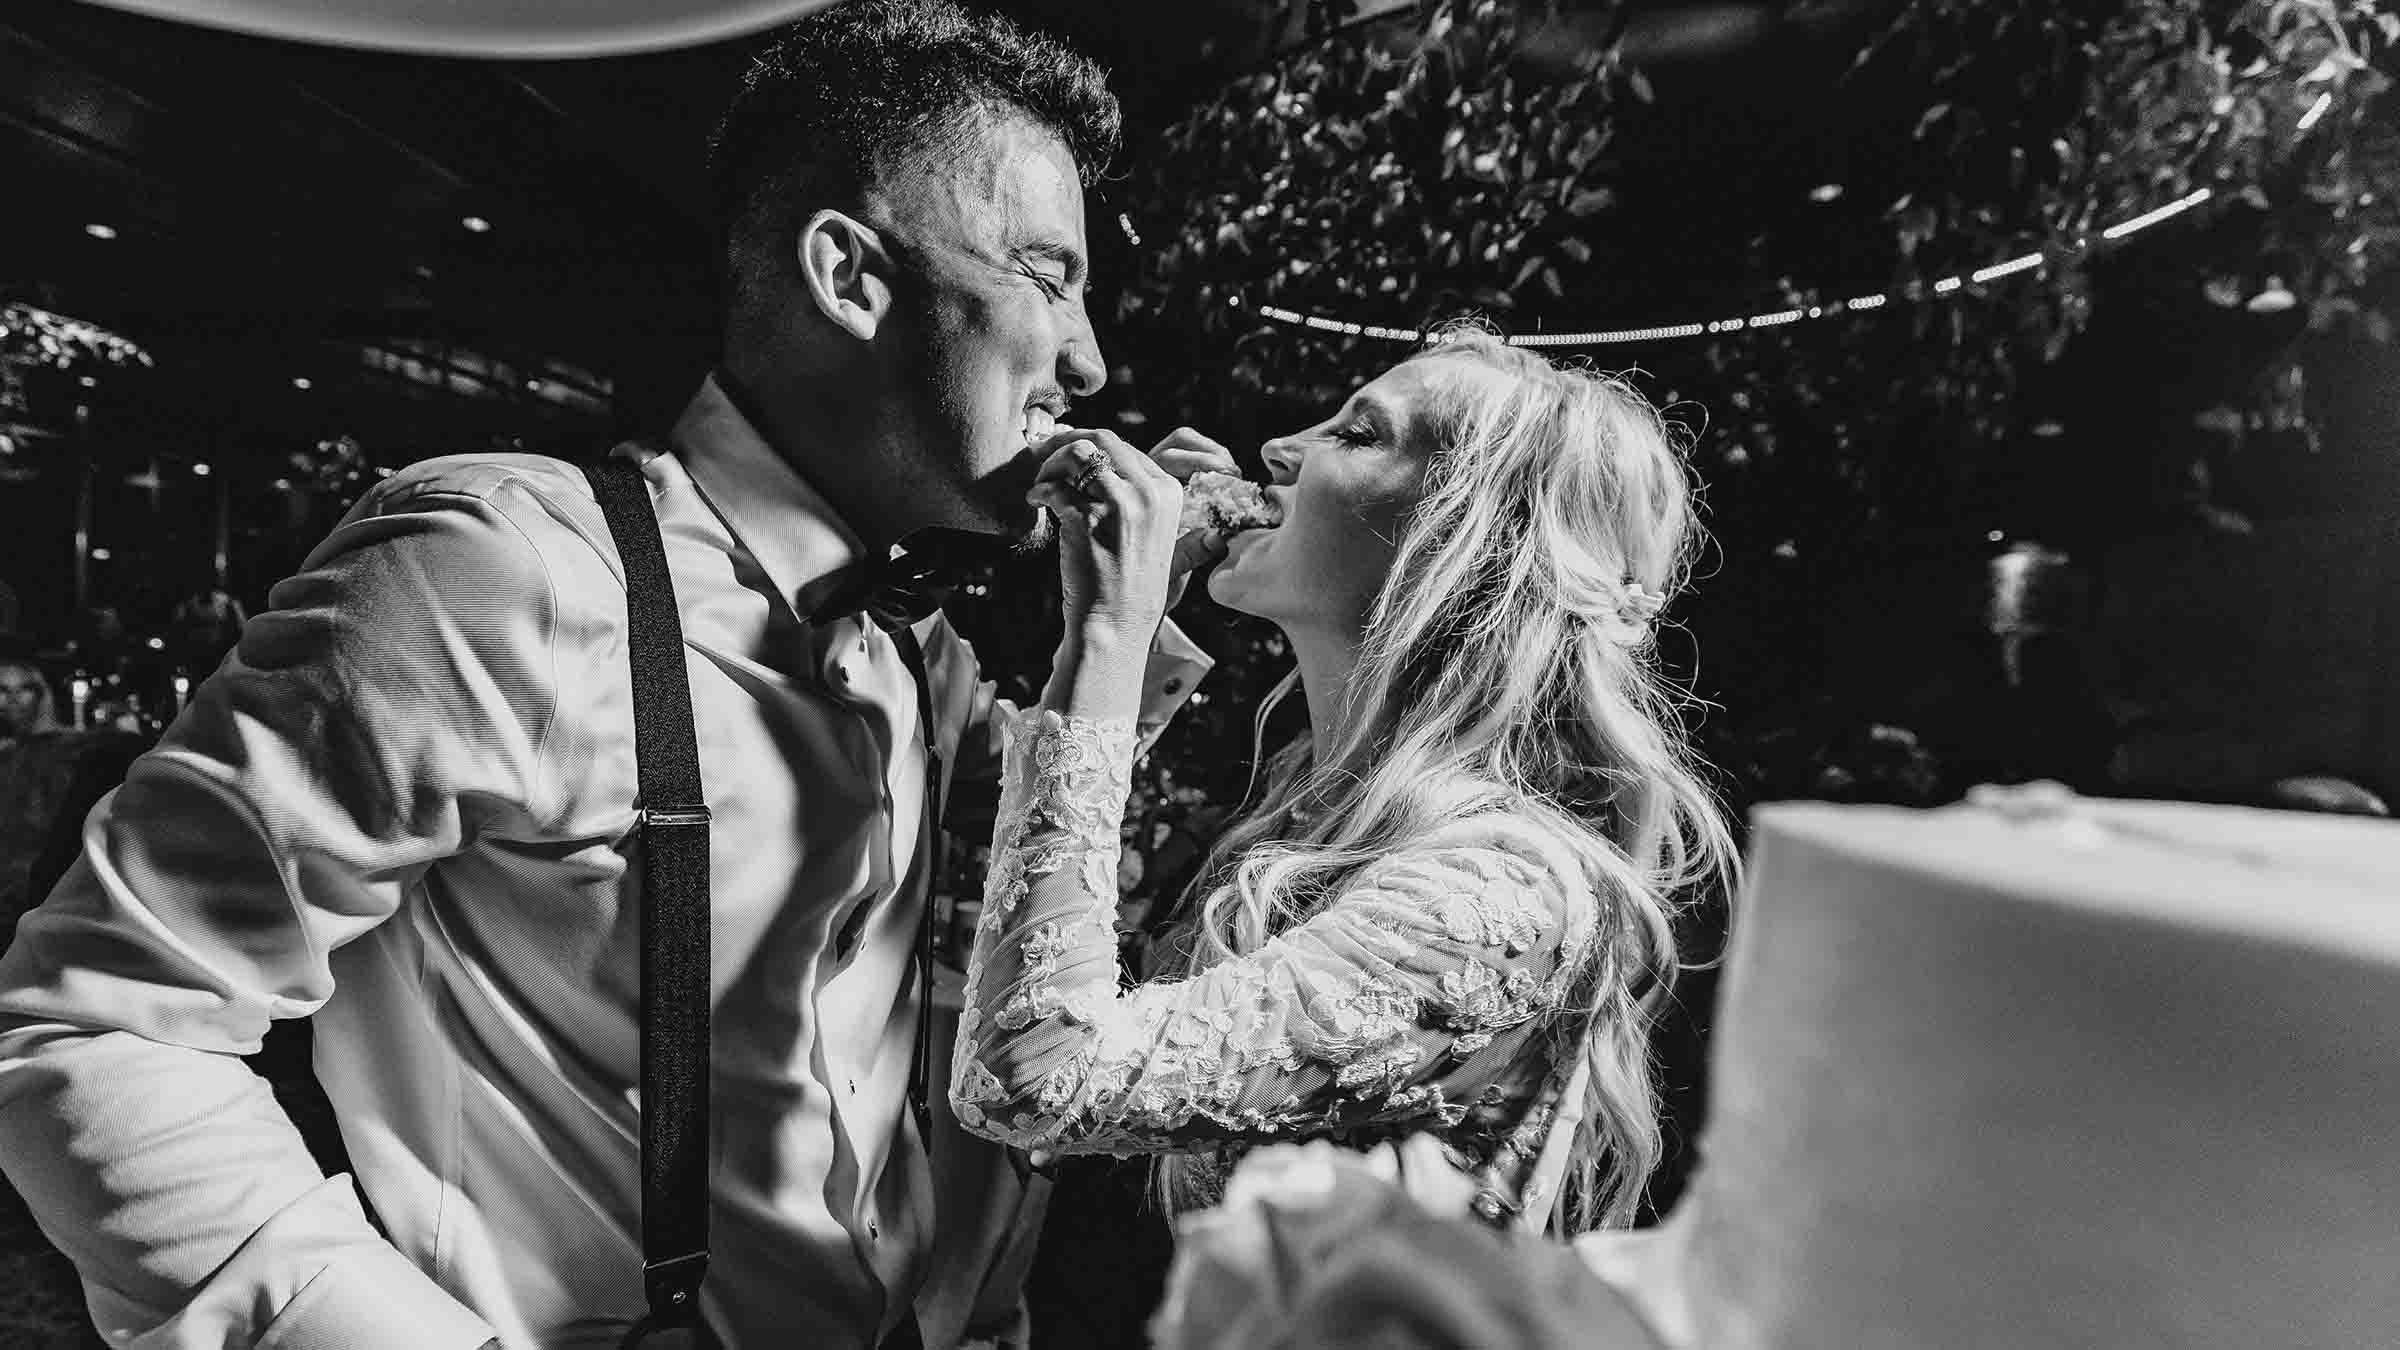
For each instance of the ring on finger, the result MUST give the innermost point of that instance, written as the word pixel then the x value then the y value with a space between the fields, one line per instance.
pixel 1088 481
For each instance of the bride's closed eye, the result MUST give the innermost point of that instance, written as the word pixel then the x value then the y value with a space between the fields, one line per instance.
pixel 1354 434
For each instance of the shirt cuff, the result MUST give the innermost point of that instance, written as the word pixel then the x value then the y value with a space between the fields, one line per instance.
pixel 1174 669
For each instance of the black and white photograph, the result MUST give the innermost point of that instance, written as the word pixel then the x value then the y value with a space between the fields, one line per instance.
pixel 1215 675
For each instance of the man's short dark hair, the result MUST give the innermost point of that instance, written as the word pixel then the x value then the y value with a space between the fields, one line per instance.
pixel 846 96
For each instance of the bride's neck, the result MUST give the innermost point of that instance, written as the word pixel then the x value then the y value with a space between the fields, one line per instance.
pixel 1326 664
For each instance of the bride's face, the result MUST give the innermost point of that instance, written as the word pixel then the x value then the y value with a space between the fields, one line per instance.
pixel 1346 486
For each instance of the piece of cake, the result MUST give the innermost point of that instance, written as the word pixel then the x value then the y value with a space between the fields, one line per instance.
pixel 1227 504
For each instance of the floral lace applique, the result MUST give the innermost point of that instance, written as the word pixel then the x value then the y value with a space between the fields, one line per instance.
pixel 1365 1013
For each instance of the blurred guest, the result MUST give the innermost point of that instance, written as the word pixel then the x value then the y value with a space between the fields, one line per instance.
pixel 205 625
pixel 28 706
pixel 104 643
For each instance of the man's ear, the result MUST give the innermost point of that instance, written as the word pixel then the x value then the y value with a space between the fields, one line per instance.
pixel 847 272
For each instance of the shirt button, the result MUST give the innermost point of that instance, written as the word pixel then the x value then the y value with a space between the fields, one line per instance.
pixel 872 1230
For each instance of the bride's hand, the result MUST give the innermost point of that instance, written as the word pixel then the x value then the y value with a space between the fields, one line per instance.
pixel 1184 452
pixel 1122 560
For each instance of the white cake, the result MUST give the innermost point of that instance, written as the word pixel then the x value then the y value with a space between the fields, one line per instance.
pixel 2104 1074
pixel 1226 503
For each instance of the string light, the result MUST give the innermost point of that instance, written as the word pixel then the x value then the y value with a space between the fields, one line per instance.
pixel 1944 287
pixel 1998 270
pixel 2149 218
pixel 2315 111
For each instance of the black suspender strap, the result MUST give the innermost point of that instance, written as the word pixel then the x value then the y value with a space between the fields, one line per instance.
pixel 674 978
pixel 920 1066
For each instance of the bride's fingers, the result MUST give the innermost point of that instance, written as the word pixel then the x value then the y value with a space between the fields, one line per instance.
pixel 1184 452
pixel 1072 451
pixel 1182 464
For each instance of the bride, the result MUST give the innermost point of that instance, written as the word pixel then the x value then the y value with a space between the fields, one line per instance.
pixel 1451 910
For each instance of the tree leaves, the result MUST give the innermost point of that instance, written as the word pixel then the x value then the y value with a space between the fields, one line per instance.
pixel 1395 190
pixel 1591 201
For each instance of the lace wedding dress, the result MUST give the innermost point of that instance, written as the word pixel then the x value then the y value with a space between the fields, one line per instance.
pixel 1422 996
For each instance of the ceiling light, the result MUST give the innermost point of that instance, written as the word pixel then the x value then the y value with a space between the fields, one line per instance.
pixel 200 470
pixel 87 381
pixel 100 555
pixel 1824 192
pixel 158 644
pixel 99 231
pixel 475 224
pixel 300 382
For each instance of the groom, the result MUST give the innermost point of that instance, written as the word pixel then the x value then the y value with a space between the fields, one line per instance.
pixel 403 806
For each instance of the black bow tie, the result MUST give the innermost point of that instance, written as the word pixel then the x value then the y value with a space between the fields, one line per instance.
pixel 912 584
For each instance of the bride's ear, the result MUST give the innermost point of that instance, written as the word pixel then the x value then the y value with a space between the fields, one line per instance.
pixel 847 272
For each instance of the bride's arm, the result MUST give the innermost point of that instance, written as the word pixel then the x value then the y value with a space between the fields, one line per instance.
pixel 1372 1011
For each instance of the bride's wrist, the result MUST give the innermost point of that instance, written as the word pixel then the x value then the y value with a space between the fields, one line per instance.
pixel 1097 674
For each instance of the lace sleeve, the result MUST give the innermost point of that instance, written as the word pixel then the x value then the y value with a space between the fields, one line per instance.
pixel 1372 1012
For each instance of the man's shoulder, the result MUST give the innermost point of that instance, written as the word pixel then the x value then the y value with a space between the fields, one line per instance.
pixel 485 475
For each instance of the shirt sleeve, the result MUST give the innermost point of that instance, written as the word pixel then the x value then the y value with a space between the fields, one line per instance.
pixel 1371 1012
pixel 390 705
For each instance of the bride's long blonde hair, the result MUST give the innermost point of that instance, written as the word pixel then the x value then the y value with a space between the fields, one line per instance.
pixel 1508 667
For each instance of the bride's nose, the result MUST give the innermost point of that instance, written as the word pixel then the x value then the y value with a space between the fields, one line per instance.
pixel 1283 458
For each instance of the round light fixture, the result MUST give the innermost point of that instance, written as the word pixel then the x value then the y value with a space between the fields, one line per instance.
pixel 488 28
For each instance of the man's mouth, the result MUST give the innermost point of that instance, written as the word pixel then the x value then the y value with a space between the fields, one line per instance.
pixel 1039 422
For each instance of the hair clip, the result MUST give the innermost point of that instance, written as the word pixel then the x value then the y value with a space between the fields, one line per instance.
pixel 1642 606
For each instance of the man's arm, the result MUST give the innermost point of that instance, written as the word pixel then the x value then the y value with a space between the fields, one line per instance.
pixel 392 702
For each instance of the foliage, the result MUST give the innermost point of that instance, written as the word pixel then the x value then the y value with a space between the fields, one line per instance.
pixel 1451 162
pixel 1408 175
pixel 31 335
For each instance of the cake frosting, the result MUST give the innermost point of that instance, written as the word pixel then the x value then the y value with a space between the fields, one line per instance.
pixel 1226 503
pixel 2045 1072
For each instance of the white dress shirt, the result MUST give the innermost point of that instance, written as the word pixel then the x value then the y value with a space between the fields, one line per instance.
pixel 405 807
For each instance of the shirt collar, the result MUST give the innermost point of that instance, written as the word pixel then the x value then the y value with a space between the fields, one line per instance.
pixel 804 548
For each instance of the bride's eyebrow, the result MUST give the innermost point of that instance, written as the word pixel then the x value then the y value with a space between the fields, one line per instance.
pixel 1371 409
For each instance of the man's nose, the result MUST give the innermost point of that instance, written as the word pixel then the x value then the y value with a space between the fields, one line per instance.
pixel 1080 366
